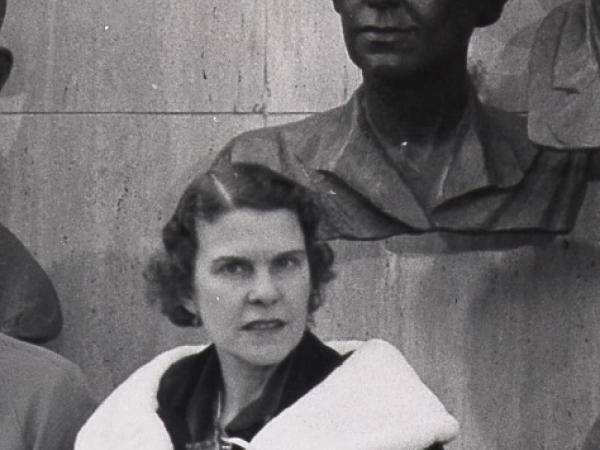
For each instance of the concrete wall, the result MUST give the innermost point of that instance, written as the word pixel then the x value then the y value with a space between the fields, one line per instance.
pixel 110 106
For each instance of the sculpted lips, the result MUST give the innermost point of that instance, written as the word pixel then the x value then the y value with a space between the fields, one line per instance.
pixel 264 325
pixel 387 34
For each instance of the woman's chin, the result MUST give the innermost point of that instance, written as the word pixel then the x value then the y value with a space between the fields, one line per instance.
pixel 266 352
pixel 265 355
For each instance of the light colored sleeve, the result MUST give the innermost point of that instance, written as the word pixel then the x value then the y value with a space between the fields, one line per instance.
pixel 58 410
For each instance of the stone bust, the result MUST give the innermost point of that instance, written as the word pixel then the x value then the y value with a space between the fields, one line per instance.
pixel 415 150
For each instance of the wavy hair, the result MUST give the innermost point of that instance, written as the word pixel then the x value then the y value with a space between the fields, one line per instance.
pixel 170 272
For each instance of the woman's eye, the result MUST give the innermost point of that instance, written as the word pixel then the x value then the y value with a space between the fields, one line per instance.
pixel 235 268
pixel 286 263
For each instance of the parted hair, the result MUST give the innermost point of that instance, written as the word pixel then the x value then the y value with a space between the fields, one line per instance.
pixel 170 272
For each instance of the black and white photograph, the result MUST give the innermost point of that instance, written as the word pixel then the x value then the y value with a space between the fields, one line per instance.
pixel 300 225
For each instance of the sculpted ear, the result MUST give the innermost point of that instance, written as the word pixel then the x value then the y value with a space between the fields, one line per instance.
pixel 6 58
pixel 489 11
pixel 6 62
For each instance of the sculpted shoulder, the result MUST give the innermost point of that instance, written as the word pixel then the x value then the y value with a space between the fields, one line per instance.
pixel 505 137
pixel 302 140
pixel 564 87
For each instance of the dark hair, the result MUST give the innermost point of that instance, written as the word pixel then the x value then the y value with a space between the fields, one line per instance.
pixel 489 11
pixel 170 273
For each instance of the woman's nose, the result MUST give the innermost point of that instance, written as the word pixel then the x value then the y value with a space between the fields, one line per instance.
pixel 265 289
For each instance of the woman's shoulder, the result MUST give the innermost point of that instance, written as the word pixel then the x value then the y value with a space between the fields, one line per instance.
pixel 128 414
pixel 348 346
pixel 373 392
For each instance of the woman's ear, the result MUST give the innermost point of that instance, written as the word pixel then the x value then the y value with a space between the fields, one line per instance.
pixel 191 307
pixel 489 11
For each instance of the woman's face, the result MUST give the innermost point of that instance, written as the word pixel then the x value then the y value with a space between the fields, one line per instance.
pixel 252 284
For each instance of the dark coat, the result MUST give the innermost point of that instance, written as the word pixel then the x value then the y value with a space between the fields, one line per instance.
pixel 373 399
pixel 309 364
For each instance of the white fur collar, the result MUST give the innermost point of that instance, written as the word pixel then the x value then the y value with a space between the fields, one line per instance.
pixel 373 401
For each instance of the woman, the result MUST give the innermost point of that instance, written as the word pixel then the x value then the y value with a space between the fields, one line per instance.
pixel 241 258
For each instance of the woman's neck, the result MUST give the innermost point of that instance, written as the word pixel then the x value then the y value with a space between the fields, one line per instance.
pixel 416 108
pixel 242 384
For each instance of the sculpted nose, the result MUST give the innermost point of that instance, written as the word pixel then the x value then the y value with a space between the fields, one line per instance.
pixel 264 290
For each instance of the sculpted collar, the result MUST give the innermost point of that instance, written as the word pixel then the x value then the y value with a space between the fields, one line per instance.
pixel 489 150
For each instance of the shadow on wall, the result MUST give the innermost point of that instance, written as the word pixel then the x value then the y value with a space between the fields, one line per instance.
pixel 509 340
pixel 533 347
pixel 592 441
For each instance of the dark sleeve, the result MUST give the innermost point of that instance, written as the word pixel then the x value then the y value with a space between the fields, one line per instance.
pixel 595 165
pixel 58 409
pixel 29 306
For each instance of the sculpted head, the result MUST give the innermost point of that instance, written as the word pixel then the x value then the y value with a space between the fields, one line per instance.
pixel 399 38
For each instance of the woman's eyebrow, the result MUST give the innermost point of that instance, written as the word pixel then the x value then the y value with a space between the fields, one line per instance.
pixel 229 258
pixel 299 252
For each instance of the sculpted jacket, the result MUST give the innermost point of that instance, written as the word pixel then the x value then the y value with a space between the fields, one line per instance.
pixel 488 178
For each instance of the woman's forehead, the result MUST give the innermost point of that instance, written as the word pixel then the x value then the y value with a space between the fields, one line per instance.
pixel 246 232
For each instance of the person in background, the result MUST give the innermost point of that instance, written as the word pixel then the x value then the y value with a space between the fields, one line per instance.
pixel 44 398
pixel 241 258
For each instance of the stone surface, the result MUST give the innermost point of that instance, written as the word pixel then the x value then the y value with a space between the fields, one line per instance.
pixel 218 56
pixel 90 194
pixel 136 56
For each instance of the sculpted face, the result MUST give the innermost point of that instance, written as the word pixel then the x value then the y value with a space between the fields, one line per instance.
pixel 398 38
